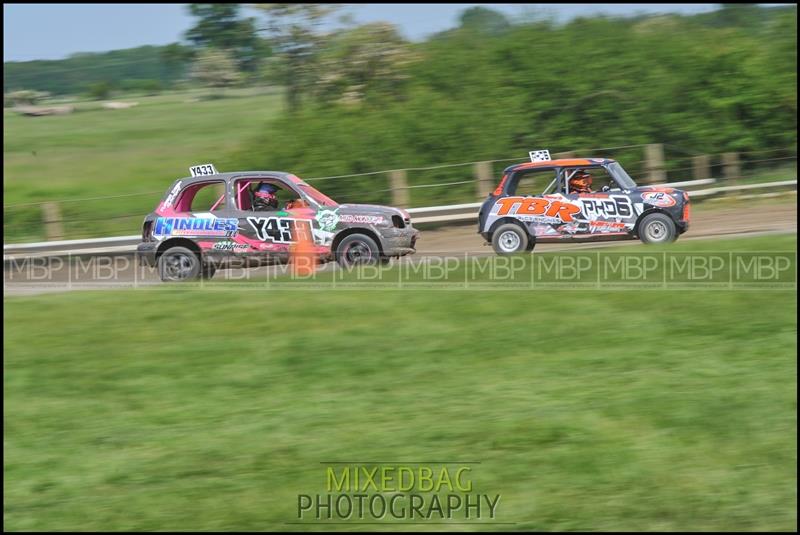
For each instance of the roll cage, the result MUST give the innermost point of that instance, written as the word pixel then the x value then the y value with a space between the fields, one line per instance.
pixel 563 173
pixel 236 192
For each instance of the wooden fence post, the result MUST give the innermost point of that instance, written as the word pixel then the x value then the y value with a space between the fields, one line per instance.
pixel 731 169
pixel 53 225
pixel 701 167
pixel 654 163
pixel 399 185
pixel 483 178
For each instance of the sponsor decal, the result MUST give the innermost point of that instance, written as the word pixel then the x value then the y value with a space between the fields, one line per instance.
pixel 658 198
pixel 614 206
pixel 536 206
pixel 229 246
pixel 540 219
pixel 572 228
pixel 280 229
pixel 368 219
pixel 607 226
pixel 327 219
pixel 544 230
pixel 173 194
pixel 195 226
pixel 661 189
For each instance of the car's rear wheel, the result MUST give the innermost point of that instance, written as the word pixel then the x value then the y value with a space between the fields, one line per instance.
pixel 657 228
pixel 178 264
pixel 509 239
pixel 357 249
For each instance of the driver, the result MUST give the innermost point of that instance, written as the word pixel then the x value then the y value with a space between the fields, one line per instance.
pixel 581 182
pixel 265 198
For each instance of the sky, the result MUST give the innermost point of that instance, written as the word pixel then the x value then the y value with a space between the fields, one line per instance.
pixel 54 31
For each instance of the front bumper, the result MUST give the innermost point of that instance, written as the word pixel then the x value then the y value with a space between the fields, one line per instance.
pixel 146 253
pixel 399 242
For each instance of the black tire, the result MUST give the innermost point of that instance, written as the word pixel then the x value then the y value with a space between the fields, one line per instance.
pixel 178 264
pixel 509 239
pixel 531 245
pixel 357 249
pixel 657 228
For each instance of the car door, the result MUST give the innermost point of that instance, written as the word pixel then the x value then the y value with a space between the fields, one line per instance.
pixel 269 233
pixel 605 211
pixel 539 203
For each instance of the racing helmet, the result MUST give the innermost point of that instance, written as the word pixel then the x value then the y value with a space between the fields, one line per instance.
pixel 265 197
pixel 581 181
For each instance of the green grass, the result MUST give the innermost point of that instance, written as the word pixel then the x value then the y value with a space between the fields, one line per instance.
pixel 786 171
pixel 175 408
pixel 95 152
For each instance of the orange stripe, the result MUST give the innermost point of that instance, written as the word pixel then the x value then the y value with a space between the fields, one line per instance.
pixel 556 163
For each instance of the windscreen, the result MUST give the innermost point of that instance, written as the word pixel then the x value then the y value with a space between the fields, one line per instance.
pixel 317 196
pixel 619 174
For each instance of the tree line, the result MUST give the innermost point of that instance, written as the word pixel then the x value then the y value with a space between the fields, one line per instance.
pixel 361 97
pixel 720 81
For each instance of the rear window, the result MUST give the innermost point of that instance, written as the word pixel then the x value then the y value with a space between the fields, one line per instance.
pixel 202 197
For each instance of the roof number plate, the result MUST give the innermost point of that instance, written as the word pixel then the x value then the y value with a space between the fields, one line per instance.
pixel 539 155
pixel 205 169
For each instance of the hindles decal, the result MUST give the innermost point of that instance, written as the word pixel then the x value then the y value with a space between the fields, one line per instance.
pixel 195 226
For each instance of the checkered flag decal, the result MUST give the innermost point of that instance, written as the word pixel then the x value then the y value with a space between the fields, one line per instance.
pixel 539 155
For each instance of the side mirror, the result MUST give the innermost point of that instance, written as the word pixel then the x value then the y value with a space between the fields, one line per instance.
pixel 605 188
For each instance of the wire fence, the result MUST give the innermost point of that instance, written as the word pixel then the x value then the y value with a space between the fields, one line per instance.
pixel 312 179
pixel 452 183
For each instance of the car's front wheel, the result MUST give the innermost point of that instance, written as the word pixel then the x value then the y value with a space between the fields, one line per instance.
pixel 357 249
pixel 178 264
pixel 509 239
pixel 657 228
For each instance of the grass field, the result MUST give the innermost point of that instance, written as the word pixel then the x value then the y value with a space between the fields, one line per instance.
pixel 174 408
pixel 95 152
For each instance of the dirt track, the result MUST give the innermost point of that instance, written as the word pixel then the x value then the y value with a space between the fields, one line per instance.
pixel 709 220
